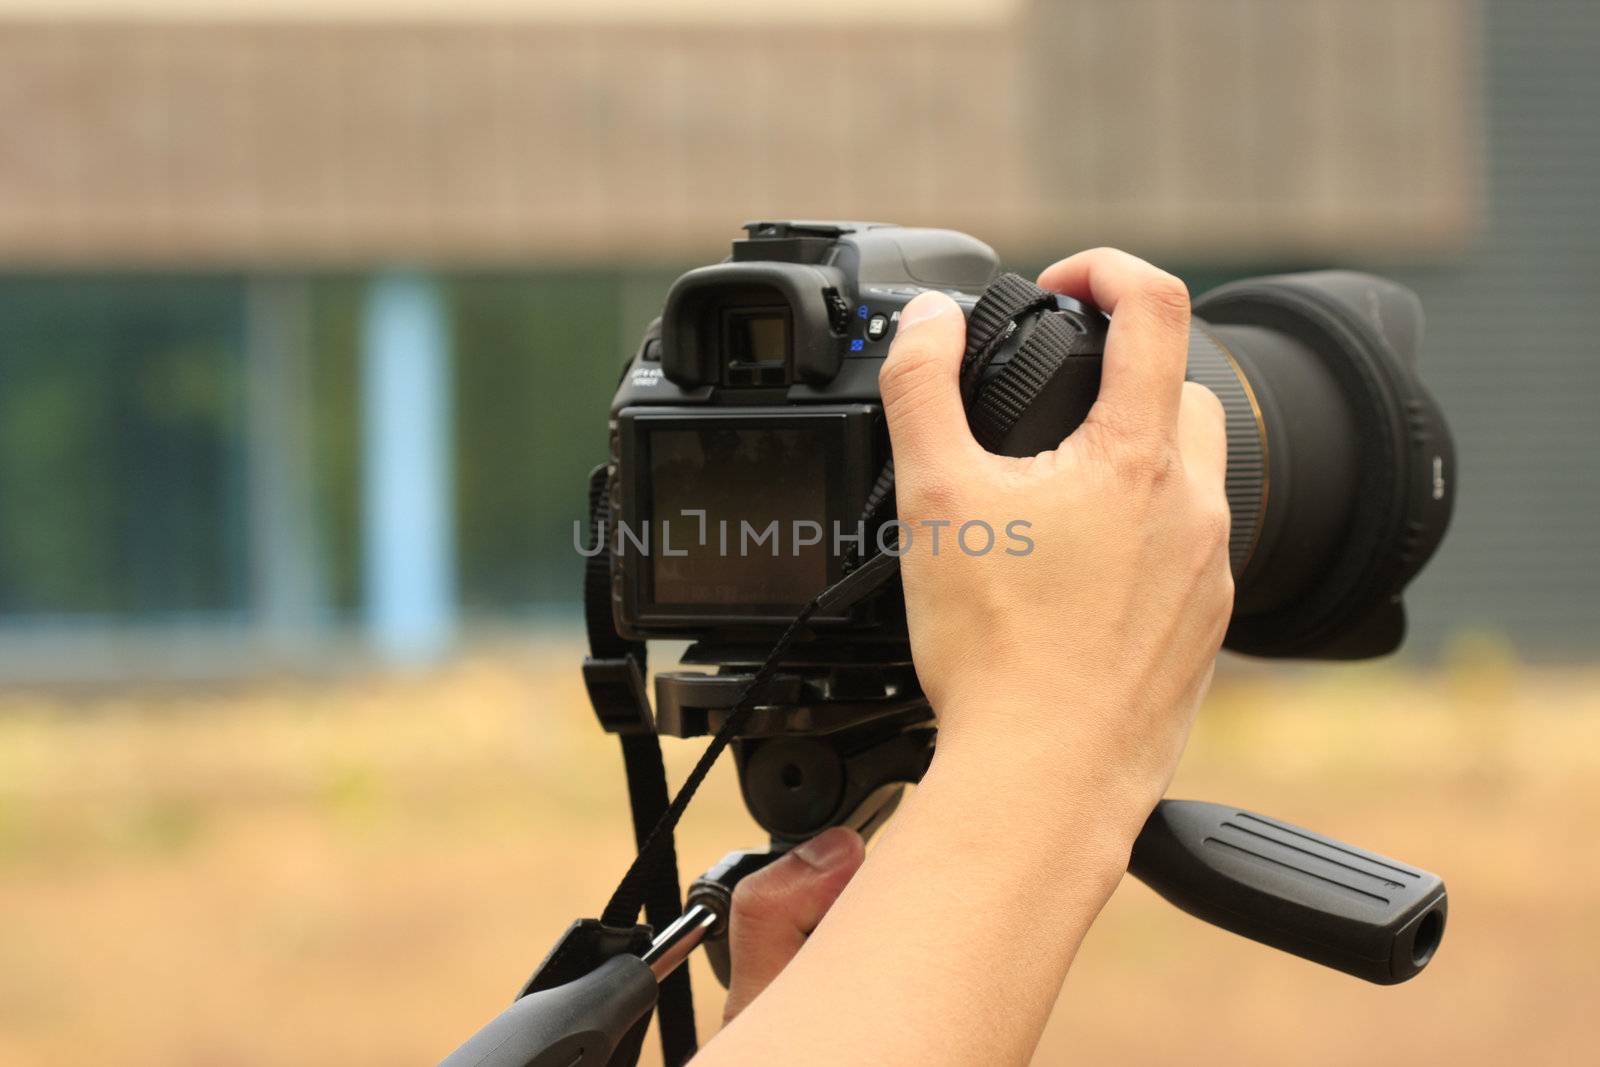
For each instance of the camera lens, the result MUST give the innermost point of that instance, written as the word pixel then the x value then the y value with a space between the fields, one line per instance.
pixel 1340 467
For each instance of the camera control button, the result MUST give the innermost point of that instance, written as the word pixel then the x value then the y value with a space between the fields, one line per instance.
pixel 652 350
pixel 838 311
pixel 877 326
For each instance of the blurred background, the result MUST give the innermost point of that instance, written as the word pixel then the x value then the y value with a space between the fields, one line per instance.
pixel 309 314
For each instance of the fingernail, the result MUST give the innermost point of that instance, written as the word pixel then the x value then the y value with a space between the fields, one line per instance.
pixel 927 306
pixel 828 849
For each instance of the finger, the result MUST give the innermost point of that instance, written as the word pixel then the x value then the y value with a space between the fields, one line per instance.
pixel 1203 435
pixel 1147 348
pixel 920 385
pixel 775 909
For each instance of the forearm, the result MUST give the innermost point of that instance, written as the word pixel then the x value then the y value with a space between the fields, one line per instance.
pixel 951 943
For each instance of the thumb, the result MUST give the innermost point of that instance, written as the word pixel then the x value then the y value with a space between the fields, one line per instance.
pixel 920 384
pixel 777 907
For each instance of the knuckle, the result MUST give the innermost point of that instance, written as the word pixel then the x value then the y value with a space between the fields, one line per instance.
pixel 1136 455
pixel 752 902
pixel 1166 298
pixel 1215 524
pixel 1210 530
pixel 929 493
pixel 1144 461
pixel 1218 603
pixel 910 369
pixel 1204 403
pixel 1225 593
pixel 934 497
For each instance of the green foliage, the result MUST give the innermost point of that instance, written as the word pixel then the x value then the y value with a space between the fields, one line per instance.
pixel 536 363
pixel 120 424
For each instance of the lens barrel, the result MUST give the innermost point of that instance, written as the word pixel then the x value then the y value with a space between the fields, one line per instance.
pixel 1341 472
pixel 1213 366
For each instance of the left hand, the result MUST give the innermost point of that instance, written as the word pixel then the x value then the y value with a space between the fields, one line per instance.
pixel 775 910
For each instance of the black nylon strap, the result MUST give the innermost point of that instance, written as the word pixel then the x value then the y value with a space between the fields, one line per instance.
pixel 1053 341
pixel 1053 338
pixel 614 675
pixel 631 890
pixel 1008 298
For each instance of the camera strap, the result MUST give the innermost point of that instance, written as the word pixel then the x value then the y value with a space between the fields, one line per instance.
pixel 614 672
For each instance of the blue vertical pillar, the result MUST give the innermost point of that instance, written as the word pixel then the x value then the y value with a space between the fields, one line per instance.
pixel 408 536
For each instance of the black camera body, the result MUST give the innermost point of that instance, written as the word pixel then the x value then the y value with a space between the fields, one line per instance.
pixel 752 408
pixel 754 399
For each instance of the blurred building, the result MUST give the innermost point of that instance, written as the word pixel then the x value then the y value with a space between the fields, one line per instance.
pixel 308 316
pixel 542 132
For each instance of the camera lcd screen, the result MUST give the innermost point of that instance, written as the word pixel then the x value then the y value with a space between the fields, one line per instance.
pixel 753 483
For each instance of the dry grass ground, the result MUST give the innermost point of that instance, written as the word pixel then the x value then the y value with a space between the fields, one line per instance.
pixel 359 871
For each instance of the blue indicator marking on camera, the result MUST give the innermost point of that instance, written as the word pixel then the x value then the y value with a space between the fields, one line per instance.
pixel 857 345
pixel 863 312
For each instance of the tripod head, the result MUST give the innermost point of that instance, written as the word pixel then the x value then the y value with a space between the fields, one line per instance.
pixel 827 744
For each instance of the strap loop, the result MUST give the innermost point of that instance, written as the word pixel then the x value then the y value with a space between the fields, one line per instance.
pixel 617 693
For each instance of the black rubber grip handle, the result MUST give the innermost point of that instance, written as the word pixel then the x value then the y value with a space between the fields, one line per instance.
pixel 574 1025
pixel 1307 894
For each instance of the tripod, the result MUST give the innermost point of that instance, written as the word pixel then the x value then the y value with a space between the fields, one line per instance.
pixel 833 739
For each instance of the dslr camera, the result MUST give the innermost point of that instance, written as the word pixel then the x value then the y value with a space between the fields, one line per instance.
pixel 748 460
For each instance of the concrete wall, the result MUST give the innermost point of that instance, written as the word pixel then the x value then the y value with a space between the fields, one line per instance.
pixel 1197 128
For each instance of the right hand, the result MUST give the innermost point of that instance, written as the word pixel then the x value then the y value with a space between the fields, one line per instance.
pixel 1085 659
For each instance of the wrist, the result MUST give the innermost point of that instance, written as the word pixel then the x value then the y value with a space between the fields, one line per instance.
pixel 1013 805
pixel 1051 764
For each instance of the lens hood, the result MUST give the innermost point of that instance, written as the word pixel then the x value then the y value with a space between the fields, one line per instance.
pixel 1368 462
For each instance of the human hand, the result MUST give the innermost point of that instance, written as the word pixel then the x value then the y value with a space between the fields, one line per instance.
pixel 1064 680
pixel 1085 659
pixel 777 908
